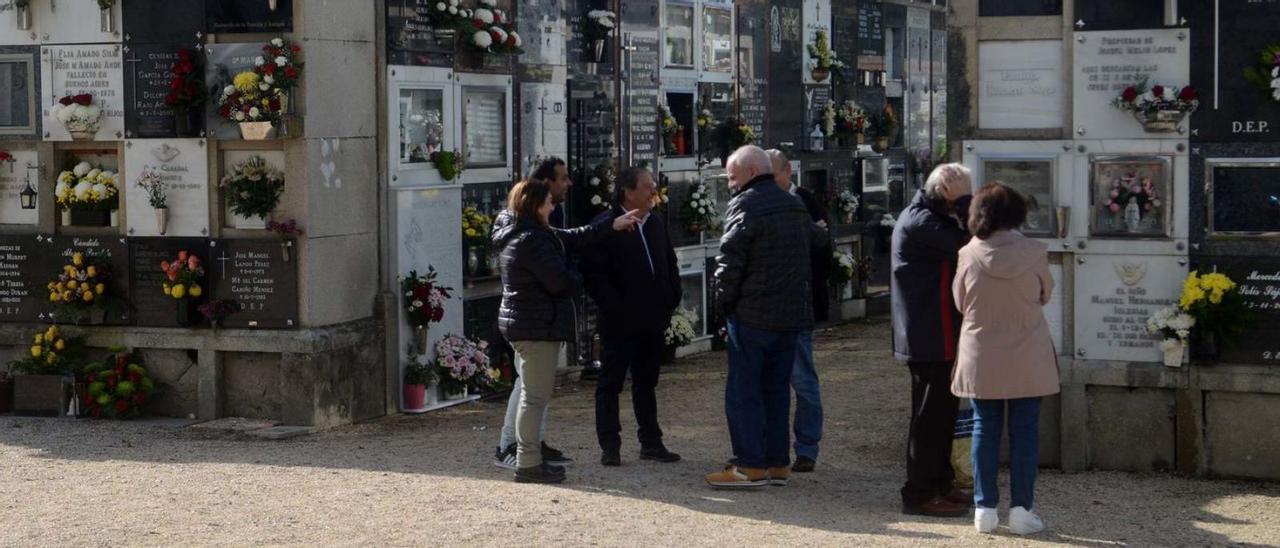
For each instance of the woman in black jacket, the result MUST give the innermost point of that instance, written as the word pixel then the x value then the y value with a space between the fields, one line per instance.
pixel 536 315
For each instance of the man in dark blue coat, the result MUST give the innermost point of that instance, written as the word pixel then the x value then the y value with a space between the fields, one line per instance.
pixel 926 325
pixel 633 278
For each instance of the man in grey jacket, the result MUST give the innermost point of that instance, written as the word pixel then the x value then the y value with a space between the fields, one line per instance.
pixel 763 289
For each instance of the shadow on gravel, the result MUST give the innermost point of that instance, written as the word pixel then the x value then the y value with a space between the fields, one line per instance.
pixel 854 489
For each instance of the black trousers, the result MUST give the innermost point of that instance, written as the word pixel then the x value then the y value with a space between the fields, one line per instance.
pixel 933 419
pixel 641 354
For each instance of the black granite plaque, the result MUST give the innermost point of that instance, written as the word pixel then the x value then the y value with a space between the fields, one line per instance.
pixel 643 127
pixel 639 13
pixel 151 307
pixel 148 70
pixel 1259 282
pixel 816 99
pixel 1224 44
pixel 679 185
pixel 27 265
pixel 1245 199
pixel 844 34
pixel 1112 15
pixel 108 251
pixel 242 16
pixel 786 114
pixel 753 60
pixel 164 21
pixel 642 63
pixel 411 39
pixel 998 8
pixel 578 48
pixel 259 276
pixel 870 32
pixel 20 78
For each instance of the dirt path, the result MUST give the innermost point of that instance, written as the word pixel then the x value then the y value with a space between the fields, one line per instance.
pixel 428 480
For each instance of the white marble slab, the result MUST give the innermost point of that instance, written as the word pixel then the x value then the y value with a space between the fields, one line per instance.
pixel 1114 296
pixel 1106 62
pixel 1020 84
pixel 95 69
pixel 183 164
pixel 816 17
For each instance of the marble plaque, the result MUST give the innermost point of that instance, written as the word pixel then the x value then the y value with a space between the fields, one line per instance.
pixel 259 276
pixel 26 266
pixel 997 8
pixel 1129 14
pixel 20 76
pixel 422 216
pixel 484 127
pixel 870 36
pixel 642 129
pixel 183 165
pixel 76 22
pixel 642 61
pixel 148 71
pixel 1034 178
pixel 1114 296
pixel 1227 39
pixel 815 17
pixel 1106 62
pixel 92 69
pixel 1020 84
pixel 10 34
pixel 164 21
pixel 241 16
pixel 222 63
pixel 1258 280
pixel 1053 312
pixel 919 93
pixel 110 252
pixel 544 127
pixel 15 175
pixel 1244 196
pixel 411 40
pixel 151 307
pixel 785 111
pixel 233 158
pixel 543 28
pixel 1130 196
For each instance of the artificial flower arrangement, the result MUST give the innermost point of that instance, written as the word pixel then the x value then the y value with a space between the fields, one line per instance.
pixel 1175 326
pixel 260 94
pixel 83 289
pixel 661 199
pixel 822 60
pixel 7 158
pixel 253 188
pixel 600 185
pixel 845 269
pixel 705 122
pixel 699 210
pixel 850 121
pixel 51 353
pixel 446 14
pixel 151 181
pixel 117 388
pixel 433 125
pixel 186 83
pixel 679 331
pixel 459 360
pixel 217 310
pixel 1158 108
pixel 846 205
pixel 1220 311
pixel 829 121
pixel 1133 199
pixel 599 24
pixel 729 135
pixel 669 127
pixel 448 163
pixel 491 30
pixel 885 127
pixel 475 226
pixel 182 277
pixel 1266 74
pixel 424 297
pixel 287 231
pixel 79 115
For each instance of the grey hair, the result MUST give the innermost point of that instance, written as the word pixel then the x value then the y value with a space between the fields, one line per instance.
pixel 943 173
pixel 778 158
pixel 752 156
pixel 627 180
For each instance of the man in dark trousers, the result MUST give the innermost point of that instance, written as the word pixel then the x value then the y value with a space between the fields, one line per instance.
pixel 926 326
pixel 804 377
pixel 633 278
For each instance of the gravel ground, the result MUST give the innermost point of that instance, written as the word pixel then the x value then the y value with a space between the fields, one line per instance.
pixel 428 480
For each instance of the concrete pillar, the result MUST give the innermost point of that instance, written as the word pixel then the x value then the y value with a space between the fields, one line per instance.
pixel 209 390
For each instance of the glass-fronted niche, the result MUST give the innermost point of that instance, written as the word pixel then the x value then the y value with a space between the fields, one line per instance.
pixel 18 75
pixel 1034 177
pixel 443 122
pixel 694 301
pixel 1130 196
pixel 1243 196
pixel 678 28
pixel 717 39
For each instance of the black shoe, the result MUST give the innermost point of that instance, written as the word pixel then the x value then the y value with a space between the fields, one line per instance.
pixel 505 457
pixel 542 473
pixel 659 454
pixel 610 457
pixel 803 464
pixel 553 456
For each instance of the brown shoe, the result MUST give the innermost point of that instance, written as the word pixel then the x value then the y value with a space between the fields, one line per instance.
pixel 963 497
pixel 778 475
pixel 937 507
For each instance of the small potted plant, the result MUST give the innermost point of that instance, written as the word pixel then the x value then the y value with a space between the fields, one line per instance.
pixel 419 373
pixel 458 360
pixel 599 26
pixel 252 190
pixel 1159 109
pixel 119 387
pixel 79 115
pixel 217 310
pixel 1220 313
pixel 424 301
pixel 822 60
pixel 1175 326
pixel 152 182
pixel 182 282
pixel 187 93
pixel 88 196
pixel 40 378
pixel 679 332
pixel 287 230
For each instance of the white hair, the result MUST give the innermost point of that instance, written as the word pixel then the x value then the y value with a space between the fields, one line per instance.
pixel 944 173
pixel 751 156
pixel 778 157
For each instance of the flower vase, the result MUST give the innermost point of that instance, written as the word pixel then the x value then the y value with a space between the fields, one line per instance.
pixel 1160 121
pixel 821 74
pixel 285 246
pixel 420 339
pixel 454 394
pixel 862 139
pixel 82 134
pixel 415 398
pixel 272 4
pixel 1205 347
pixel 107 21
pixel 1173 350
pixel 473 261
pixel 24 18
pixel 882 144
pixel 848 217
pixel 66 217
pixel 114 218
pixel 248 223
pixel 597 50
pixel 257 131
pixel 162 220
pixel 185 310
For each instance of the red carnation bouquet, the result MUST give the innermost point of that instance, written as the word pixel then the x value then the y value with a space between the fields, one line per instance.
pixel 424 297
pixel 117 388
pixel 186 83
pixel 1140 98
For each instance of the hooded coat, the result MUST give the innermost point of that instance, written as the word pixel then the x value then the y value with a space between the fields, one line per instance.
pixel 1005 350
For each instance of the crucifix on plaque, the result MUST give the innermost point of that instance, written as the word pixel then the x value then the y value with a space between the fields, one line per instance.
pixel 542 111
pixel 223 258
pixel 132 64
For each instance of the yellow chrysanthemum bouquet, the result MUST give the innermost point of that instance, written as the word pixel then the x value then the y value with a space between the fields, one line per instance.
pixel 475 226
pixel 82 290
pixel 51 353
pixel 1214 300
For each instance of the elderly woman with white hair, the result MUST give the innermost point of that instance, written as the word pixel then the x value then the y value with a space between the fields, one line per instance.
pixel 926 325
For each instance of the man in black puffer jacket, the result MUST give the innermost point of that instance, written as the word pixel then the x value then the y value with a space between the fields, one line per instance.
pixel 763 286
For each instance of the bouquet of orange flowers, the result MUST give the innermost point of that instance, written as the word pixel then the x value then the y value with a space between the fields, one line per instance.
pixel 183 276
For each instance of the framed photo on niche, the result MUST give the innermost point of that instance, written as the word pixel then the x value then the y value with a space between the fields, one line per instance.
pixel 19 75
pixel 1130 196
pixel 1034 178
pixel 1243 196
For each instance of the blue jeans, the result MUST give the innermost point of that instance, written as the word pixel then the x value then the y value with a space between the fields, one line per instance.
pixel 804 379
pixel 1024 450
pixel 757 396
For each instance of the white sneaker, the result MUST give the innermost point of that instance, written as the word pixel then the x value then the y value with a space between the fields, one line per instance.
pixel 985 520
pixel 1024 522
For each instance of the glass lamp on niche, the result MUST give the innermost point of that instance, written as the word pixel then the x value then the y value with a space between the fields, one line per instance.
pixel 1130 196
pixel 421 124
pixel 484 127
pixel 694 288
pixel 717 40
pixel 1034 178
pixel 678 26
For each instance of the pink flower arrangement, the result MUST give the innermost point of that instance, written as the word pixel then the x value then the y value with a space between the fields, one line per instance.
pixel 461 362
pixel 1129 187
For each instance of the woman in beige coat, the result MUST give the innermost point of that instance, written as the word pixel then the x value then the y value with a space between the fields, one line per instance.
pixel 1006 361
